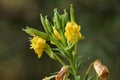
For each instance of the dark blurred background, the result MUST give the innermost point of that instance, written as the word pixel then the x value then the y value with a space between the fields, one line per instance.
pixel 100 22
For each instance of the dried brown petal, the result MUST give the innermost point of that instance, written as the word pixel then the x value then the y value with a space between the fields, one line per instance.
pixel 61 73
pixel 100 69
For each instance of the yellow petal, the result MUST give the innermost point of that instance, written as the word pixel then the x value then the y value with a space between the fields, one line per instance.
pixel 38 45
pixel 72 32
pixel 56 33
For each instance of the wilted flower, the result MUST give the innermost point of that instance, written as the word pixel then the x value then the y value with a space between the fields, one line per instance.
pixel 61 73
pixel 38 44
pixel 49 78
pixel 100 69
pixel 46 78
pixel 72 32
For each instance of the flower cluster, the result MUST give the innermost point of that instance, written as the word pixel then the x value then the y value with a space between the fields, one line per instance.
pixel 64 33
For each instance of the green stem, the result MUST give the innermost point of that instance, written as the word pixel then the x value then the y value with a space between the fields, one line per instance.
pixel 73 69
pixel 97 78
pixel 89 68
pixel 60 61
pixel 87 72
pixel 73 62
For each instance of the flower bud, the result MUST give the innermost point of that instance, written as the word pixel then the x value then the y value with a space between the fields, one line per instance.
pixel 72 16
pixel 56 19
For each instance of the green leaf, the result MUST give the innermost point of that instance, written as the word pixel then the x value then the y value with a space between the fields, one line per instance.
pixel 85 77
pixel 49 52
pixel 82 62
pixel 92 77
pixel 70 70
pixel 35 32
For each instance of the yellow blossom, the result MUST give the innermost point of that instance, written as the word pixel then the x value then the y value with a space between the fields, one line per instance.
pixel 38 45
pixel 56 33
pixel 100 69
pixel 72 32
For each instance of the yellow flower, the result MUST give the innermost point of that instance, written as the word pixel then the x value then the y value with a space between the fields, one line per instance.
pixel 100 69
pixel 72 32
pixel 38 45
pixel 57 34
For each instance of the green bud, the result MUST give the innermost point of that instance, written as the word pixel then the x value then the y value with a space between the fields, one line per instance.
pixel 66 16
pixel 43 23
pixel 64 19
pixel 56 20
pixel 48 25
pixel 72 17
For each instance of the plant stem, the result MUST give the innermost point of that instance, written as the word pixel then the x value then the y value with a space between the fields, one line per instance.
pixel 60 61
pixel 73 69
pixel 89 68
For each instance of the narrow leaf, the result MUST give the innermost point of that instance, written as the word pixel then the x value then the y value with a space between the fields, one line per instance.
pixel 35 32
pixel 92 77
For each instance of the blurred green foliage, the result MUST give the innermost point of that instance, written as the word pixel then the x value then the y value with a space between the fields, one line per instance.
pixel 100 22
